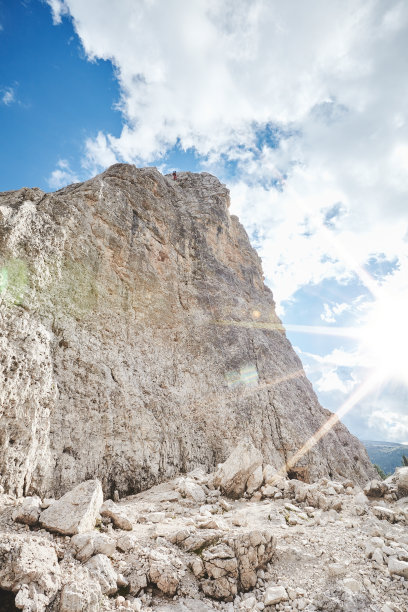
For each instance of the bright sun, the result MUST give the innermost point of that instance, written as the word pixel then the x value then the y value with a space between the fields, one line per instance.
pixel 384 338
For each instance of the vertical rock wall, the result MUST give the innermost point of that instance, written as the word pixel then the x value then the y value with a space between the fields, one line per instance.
pixel 138 340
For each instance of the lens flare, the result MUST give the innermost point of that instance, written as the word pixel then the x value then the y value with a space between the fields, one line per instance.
pixel 247 376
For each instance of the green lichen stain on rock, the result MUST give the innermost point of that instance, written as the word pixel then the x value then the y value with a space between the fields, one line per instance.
pixel 14 281
pixel 76 291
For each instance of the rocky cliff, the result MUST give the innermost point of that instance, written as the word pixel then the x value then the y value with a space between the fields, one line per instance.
pixel 138 340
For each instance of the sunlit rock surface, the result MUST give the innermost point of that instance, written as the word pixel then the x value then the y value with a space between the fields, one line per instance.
pixel 138 340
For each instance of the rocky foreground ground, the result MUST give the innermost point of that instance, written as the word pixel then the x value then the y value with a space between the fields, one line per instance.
pixel 243 538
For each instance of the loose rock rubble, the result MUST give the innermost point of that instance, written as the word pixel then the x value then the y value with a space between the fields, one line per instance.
pixel 282 545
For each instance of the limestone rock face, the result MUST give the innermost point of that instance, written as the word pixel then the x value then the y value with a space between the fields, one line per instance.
pixel 138 340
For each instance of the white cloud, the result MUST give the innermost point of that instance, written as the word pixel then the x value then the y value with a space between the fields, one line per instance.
pixel 58 9
pixel 98 153
pixel 393 425
pixel 327 314
pixel 8 96
pixel 308 100
pixel 331 381
pixel 221 66
pixel 62 175
pixel 330 313
pixel 338 371
pixel 327 79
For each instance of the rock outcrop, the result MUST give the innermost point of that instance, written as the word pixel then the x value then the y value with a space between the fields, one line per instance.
pixel 138 340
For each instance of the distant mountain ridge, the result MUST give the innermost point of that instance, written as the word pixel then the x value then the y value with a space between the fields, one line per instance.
pixel 387 455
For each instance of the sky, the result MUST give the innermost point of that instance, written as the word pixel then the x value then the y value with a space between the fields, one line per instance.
pixel 299 107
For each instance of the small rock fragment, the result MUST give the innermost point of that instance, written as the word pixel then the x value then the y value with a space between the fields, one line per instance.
pixel 400 568
pixel 111 510
pixel 274 595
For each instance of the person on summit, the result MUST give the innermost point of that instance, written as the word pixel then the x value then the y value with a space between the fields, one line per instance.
pixel 174 175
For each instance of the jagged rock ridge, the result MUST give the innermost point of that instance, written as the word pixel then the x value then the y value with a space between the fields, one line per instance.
pixel 138 340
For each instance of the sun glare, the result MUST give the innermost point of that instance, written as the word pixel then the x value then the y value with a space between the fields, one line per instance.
pixel 384 338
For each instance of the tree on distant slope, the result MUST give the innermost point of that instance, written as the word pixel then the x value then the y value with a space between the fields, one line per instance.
pixel 380 471
pixel 404 460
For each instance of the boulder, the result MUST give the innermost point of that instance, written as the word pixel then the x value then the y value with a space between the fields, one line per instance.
pixel 230 566
pixel 76 511
pixel 28 511
pixel 93 543
pixel 156 517
pixel 232 475
pixel 376 488
pixel 269 474
pixel 211 522
pixel 116 514
pixel 81 595
pixel 384 513
pixel 102 571
pixel 400 568
pixel 401 480
pixel 255 480
pixel 269 491
pixel 189 539
pixel 378 556
pixel 127 542
pixel 29 567
pixel 221 572
pixel 163 573
pixel 191 490
pixel 360 498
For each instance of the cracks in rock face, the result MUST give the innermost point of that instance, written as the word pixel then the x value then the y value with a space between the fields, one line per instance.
pixel 270 405
pixel 135 225
pixel 277 425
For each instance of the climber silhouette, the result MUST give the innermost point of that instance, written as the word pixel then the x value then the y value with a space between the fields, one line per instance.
pixel 174 176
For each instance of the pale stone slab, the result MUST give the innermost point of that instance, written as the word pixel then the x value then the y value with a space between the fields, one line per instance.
pixel 76 511
pixel 274 595
pixel 100 567
pixel 232 475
